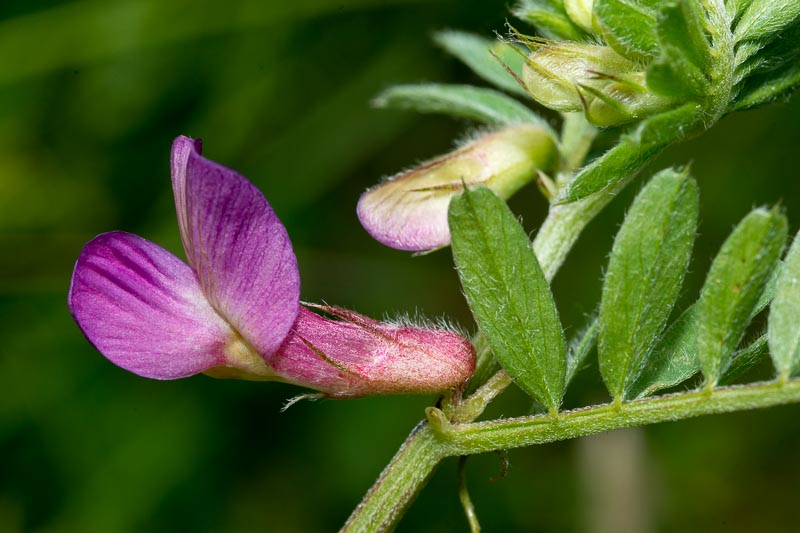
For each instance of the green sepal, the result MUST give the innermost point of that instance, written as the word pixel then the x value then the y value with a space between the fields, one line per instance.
pixel 508 294
pixel 550 19
pixel 463 101
pixel 648 261
pixel 634 150
pixel 629 26
pixel 784 316
pixel 481 55
pixel 674 359
pixel 733 286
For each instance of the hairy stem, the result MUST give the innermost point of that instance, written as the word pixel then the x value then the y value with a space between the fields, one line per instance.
pixel 480 437
pixel 399 483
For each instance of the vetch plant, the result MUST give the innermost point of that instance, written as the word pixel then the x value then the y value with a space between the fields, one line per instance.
pixel 643 74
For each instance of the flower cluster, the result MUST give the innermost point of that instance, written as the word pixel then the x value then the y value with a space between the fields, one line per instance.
pixel 234 310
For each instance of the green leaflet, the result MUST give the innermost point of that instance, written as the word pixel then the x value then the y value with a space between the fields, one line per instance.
pixel 680 71
pixel 674 359
pixel 765 89
pixel 648 261
pixel 733 285
pixel 580 347
pixel 635 150
pixel 763 20
pixel 756 57
pixel 476 52
pixel 629 26
pixel 771 74
pixel 745 359
pixel 784 316
pixel 508 294
pixel 550 18
pixel 465 101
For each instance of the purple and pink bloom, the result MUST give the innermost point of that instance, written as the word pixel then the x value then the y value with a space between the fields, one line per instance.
pixel 234 310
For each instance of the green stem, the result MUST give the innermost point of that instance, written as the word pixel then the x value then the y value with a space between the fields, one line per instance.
pixel 563 226
pixel 409 470
pixel 480 437
pixel 399 483
pixel 463 495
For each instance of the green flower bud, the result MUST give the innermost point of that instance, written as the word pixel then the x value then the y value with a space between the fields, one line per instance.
pixel 609 88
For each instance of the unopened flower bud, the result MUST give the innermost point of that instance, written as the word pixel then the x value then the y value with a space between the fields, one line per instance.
pixel 409 211
pixel 572 76
pixel 353 356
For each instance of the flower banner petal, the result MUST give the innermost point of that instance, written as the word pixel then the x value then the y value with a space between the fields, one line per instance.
pixel 143 308
pixel 238 247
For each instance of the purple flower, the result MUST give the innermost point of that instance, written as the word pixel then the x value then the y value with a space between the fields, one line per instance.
pixel 234 310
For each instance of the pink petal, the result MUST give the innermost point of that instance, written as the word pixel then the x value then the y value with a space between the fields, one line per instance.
pixel 238 247
pixel 358 356
pixel 144 310
pixel 409 212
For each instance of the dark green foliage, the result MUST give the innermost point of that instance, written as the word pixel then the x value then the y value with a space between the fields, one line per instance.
pixel 508 294
pixel 733 287
pixel 744 360
pixel 674 359
pixel 680 71
pixel 580 347
pixel 645 272
pixel 629 26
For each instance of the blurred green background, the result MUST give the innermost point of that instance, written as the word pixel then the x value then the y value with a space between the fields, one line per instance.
pixel 91 95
